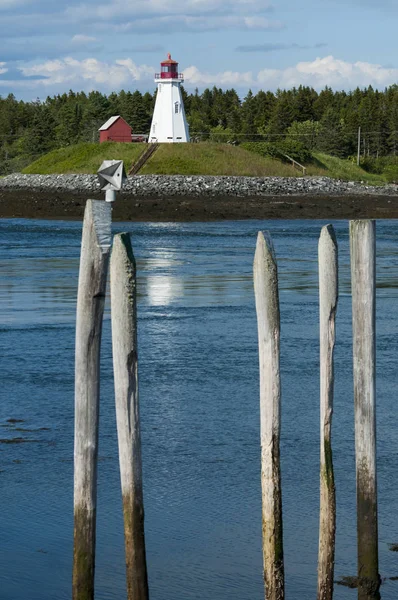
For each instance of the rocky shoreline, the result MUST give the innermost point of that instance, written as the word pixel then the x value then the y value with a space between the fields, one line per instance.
pixel 198 198
pixel 158 186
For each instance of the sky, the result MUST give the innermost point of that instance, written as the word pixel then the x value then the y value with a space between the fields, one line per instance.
pixel 51 46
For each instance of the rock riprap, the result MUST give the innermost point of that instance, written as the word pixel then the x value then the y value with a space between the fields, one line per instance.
pixel 181 185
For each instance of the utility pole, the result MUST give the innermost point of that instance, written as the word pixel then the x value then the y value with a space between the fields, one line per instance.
pixel 359 146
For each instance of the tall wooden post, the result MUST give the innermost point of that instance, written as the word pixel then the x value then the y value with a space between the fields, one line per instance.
pixel 125 364
pixel 363 277
pixel 268 320
pixel 94 259
pixel 328 294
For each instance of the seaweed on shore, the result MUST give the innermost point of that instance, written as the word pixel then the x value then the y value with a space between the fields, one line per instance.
pixel 348 581
pixel 17 440
pixel 22 429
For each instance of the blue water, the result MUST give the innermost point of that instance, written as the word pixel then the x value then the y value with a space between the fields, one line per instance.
pixel 199 411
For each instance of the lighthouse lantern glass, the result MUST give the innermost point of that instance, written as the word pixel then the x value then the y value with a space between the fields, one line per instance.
pixel 169 69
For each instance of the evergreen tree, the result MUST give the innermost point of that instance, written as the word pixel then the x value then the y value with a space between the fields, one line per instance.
pixel 324 101
pixel 233 111
pixel 70 125
pixel 282 116
pixel 392 117
pixel 39 137
pixel 140 119
pixel 332 139
pixel 249 128
pixel 264 107
pixel 305 99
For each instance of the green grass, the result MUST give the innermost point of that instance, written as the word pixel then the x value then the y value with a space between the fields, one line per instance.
pixel 212 159
pixel 169 159
pixel 331 166
pixel 194 159
pixel 84 158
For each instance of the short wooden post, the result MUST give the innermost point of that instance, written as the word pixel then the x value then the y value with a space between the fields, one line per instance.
pixel 94 259
pixel 268 320
pixel 328 294
pixel 124 343
pixel 363 277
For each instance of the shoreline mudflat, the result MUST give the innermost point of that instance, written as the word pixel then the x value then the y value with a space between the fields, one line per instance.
pixel 198 198
pixel 33 204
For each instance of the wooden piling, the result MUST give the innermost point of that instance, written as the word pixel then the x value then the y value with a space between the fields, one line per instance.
pixel 94 259
pixel 363 277
pixel 328 295
pixel 268 320
pixel 125 364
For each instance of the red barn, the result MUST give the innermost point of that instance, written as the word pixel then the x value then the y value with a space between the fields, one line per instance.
pixel 115 130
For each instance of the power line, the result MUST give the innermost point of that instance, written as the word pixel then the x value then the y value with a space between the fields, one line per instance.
pixel 290 134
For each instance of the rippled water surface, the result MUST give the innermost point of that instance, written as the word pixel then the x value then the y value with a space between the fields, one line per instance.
pixel 199 410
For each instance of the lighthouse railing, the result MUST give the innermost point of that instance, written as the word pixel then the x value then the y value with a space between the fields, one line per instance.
pixel 179 76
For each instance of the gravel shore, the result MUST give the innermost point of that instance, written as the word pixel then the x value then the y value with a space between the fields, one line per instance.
pixel 157 186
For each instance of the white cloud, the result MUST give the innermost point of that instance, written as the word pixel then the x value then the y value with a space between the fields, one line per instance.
pixel 88 73
pixel 227 78
pixel 137 73
pixel 2 69
pixel 332 72
pixel 261 23
pixel 171 15
pixel 39 17
pixel 94 74
pixel 193 23
pixel 155 8
pixel 6 4
pixel 277 46
pixel 319 73
pixel 83 39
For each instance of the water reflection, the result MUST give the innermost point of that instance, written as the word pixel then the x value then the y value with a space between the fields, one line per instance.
pixel 161 290
pixel 194 264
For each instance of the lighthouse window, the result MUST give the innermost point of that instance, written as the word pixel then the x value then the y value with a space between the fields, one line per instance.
pixel 176 107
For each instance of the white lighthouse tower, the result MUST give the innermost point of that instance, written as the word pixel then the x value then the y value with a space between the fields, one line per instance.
pixel 169 123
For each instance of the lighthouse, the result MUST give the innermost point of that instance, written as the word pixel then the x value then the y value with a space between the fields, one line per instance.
pixel 169 123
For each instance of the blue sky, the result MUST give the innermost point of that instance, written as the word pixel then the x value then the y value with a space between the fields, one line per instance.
pixel 51 46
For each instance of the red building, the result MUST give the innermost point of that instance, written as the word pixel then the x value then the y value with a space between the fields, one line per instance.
pixel 115 130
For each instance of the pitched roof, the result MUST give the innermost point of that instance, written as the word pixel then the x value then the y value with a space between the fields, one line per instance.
pixel 110 122
pixel 169 61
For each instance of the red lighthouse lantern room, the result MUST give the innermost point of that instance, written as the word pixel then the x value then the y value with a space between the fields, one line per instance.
pixel 169 69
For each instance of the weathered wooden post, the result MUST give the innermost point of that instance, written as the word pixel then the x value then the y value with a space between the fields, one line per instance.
pixel 268 320
pixel 94 259
pixel 124 344
pixel 363 277
pixel 328 295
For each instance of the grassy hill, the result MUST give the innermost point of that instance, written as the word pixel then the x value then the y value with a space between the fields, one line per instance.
pixel 170 159
pixel 212 159
pixel 84 158
pixel 193 159
pixel 344 169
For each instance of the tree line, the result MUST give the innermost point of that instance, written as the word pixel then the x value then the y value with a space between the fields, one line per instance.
pixel 308 120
